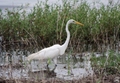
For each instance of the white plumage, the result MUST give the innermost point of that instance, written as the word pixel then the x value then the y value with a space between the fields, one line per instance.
pixel 46 53
pixel 55 50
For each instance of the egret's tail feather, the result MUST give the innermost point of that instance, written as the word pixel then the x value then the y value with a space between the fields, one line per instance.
pixel 32 56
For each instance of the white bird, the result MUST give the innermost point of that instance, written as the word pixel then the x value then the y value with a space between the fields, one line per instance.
pixel 55 50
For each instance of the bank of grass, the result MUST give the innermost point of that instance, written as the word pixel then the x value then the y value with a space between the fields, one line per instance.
pixel 45 25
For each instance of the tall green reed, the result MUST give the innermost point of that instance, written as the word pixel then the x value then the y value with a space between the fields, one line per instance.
pixel 45 24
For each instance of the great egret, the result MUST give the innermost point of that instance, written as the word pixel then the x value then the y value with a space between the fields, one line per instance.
pixel 55 50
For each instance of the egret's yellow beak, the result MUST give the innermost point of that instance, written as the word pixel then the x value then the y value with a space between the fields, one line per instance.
pixel 79 23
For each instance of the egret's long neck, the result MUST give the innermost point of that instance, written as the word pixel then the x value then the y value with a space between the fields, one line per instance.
pixel 68 37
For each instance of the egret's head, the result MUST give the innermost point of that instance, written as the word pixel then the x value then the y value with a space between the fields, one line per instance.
pixel 75 22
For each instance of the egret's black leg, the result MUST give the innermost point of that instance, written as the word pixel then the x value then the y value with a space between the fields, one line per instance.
pixel 54 67
pixel 47 67
pixel 55 61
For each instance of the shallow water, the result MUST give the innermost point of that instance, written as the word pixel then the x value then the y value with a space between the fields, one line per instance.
pixel 12 65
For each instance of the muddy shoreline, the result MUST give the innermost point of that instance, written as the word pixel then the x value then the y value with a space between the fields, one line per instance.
pixel 50 76
pixel 94 79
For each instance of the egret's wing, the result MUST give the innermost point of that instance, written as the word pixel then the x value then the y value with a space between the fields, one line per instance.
pixel 46 53
pixel 32 56
pixel 49 52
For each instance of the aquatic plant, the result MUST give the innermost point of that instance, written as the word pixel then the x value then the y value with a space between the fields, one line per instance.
pixel 44 25
pixel 107 64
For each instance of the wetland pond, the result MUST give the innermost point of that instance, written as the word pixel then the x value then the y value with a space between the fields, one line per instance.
pixel 13 66
pixel 71 68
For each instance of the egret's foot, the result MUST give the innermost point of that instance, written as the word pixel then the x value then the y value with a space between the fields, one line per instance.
pixel 54 67
pixel 71 73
